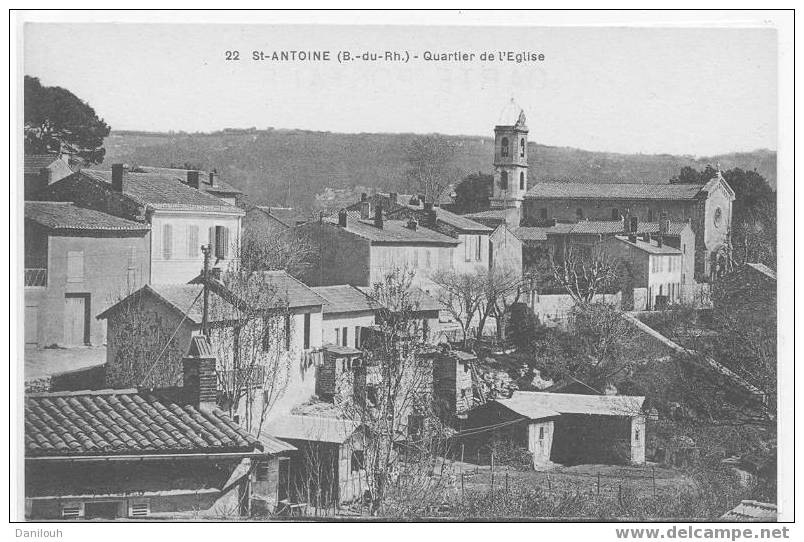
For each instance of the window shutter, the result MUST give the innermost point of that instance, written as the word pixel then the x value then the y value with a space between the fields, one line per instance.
pixel 211 241
pixel 167 241
pixel 221 242
pixel 71 512
pixel 192 241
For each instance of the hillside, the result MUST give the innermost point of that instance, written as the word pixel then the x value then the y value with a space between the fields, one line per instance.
pixel 289 167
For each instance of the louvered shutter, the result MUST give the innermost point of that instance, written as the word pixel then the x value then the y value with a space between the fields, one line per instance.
pixel 211 240
pixel 192 241
pixel 139 509
pixel 167 241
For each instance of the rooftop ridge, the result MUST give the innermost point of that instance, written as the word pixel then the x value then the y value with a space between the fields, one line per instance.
pixel 107 391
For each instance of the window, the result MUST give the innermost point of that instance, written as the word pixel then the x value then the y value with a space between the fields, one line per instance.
pixel 167 242
pixel 357 336
pixel 543 213
pixel 427 262
pixel 211 240
pixel 684 248
pixel 139 509
pixel 650 215
pixel 131 272
pixel 338 336
pixel 75 266
pixel 192 241
pixel 615 214
pixel 522 148
pixel 358 461
pixel 504 147
pixel 636 435
pixel 266 337
pixel 345 336
pixel 307 331
pixel 504 180
pixel 579 213
pixel 478 248
pixel 287 332
pixel 263 473
pixel 221 242
pixel 72 511
pixel 541 433
pixel 415 257
pixel 467 248
pixel 522 180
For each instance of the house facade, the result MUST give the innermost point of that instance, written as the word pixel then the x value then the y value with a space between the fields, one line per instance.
pixel 78 262
pixel 182 216
pixel 346 312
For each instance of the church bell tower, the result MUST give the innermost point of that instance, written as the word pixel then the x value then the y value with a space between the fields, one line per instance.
pixel 510 158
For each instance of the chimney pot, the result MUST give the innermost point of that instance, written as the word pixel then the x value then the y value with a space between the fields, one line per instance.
pixel 342 218
pixel 118 172
pixel 378 217
pixel 192 178
pixel 365 210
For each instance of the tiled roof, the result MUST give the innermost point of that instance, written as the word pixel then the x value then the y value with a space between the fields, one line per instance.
pixel 295 293
pixel 627 191
pixel 752 511
pixel 531 233
pixel 396 232
pixel 184 298
pixel 125 422
pixel 572 403
pixel 312 428
pixel 651 248
pixel 273 445
pixel 159 191
pixel 763 269
pixel 498 214
pixel 58 215
pixel 203 178
pixel 449 218
pixel 617 226
pixel 344 298
pixel 286 215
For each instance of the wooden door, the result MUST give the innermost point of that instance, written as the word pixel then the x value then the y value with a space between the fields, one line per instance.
pixel 76 322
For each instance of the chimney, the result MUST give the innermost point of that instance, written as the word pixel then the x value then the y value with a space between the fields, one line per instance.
pixel 634 226
pixel 393 197
pixel 192 178
pixel 421 199
pixel 378 217
pixel 342 218
pixel 118 172
pixel 363 197
pixel 412 224
pixel 664 226
pixel 429 215
pixel 365 210
pixel 200 381
pixel 212 176
pixel 659 240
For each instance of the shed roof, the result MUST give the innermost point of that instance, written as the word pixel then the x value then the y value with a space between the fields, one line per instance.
pixel 126 422
pixel 312 428
pixel 65 216
pixel 534 404
pixel 620 191
pixel 344 298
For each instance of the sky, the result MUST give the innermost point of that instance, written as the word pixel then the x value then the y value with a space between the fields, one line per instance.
pixel 696 91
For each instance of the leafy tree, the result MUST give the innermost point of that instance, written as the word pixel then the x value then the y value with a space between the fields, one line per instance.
pixel 473 193
pixel 56 120
pixel 690 175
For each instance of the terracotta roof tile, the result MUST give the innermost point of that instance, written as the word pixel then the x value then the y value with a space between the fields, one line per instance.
pixel 344 298
pixel 124 422
pixel 395 232
pixel 57 215
pixel 627 191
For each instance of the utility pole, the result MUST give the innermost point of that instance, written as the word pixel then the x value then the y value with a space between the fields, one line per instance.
pixel 207 250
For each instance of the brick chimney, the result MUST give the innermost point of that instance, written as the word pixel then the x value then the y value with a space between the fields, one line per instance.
pixel 365 210
pixel 342 218
pixel 212 178
pixel 632 229
pixel 200 381
pixel 118 172
pixel 378 217
pixel 193 178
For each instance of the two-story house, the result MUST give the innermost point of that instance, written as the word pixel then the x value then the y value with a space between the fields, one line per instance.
pixel 182 216
pixel 78 261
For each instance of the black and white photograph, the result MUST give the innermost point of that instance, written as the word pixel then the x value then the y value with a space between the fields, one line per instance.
pixel 345 267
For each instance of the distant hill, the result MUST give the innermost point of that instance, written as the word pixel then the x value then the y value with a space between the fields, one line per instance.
pixel 289 167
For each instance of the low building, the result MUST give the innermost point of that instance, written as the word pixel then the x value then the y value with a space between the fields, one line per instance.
pixel 329 467
pixel 128 453
pixel 563 428
pixel 78 261
pixel 346 311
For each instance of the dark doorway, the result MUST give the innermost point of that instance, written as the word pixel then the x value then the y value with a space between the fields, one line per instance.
pixel 284 478
pixel 102 510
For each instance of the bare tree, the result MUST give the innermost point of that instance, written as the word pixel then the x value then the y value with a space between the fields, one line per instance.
pixel 431 170
pixel 463 293
pixel 585 272
pixel 502 287
pixel 393 400
pixel 291 250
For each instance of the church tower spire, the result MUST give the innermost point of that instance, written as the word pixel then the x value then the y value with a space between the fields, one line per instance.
pixel 510 157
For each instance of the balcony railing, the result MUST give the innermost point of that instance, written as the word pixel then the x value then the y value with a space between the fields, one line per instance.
pixel 35 278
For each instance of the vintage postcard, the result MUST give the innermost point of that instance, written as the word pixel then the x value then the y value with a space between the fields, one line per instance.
pixel 481 266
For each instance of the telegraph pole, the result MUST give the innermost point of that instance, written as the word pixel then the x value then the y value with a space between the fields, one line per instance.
pixel 205 317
